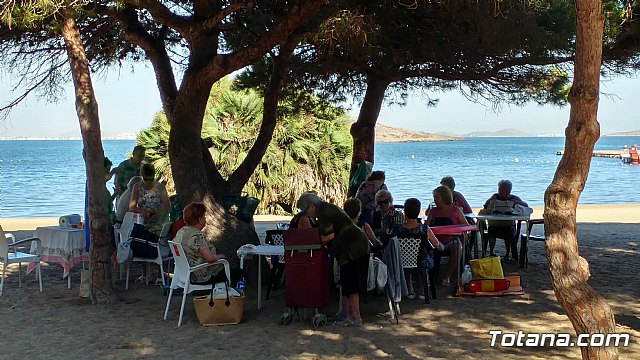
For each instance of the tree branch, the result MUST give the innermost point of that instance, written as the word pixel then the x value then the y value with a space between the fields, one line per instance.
pixel 241 175
pixel 217 18
pixel 163 15
pixel 224 64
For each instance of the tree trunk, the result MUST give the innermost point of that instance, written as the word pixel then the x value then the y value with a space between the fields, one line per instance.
pixel 87 110
pixel 188 159
pixel 363 130
pixel 587 310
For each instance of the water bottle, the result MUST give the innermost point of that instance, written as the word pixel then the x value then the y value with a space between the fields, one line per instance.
pixel 466 275
pixel 242 284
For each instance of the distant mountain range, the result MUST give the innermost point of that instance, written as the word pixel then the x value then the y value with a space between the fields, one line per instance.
pixel 499 133
pixel 387 134
pixel 624 133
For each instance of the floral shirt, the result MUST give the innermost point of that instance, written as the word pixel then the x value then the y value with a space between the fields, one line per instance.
pixel 151 200
pixel 192 240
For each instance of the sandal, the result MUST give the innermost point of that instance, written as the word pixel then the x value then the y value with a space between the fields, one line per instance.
pixel 350 322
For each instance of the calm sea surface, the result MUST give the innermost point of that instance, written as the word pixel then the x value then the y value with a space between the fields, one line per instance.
pixel 46 178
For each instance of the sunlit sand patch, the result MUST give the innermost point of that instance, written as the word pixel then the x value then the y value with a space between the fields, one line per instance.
pixel 323 334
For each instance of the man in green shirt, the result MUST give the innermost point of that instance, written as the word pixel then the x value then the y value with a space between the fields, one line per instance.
pixel 128 169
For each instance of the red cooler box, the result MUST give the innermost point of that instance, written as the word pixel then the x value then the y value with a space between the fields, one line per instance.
pixel 306 269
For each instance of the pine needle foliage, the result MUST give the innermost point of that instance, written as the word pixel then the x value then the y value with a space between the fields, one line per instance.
pixel 310 150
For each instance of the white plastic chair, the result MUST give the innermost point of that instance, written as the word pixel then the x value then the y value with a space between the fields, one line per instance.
pixel 182 276
pixel 122 232
pixel 161 246
pixel 15 256
pixel 409 250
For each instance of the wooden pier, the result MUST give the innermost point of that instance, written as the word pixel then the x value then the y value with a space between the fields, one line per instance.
pixel 612 154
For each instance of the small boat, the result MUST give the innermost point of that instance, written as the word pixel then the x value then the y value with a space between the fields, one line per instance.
pixel 630 155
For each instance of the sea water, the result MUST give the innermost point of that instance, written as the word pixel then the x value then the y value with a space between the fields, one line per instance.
pixel 45 178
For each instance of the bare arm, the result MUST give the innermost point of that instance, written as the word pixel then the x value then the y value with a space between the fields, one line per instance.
pixel 133 202
pixel 434 240
pixel 460 216
pixel 209 256
pixel 370 235
pixel 304 223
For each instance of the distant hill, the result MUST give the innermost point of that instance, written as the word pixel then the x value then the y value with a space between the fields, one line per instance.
pixel 625 133
pixel 499 133
pixel 387 134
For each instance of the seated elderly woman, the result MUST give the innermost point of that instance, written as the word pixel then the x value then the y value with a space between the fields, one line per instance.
pixel 196 246
pixel 386 217
pixel 353 207
pixel 412 227
pixel 445 213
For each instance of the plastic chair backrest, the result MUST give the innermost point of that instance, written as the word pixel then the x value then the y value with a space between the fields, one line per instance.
pixel 4 245
pixel 275 237
pixel 127 225
pixel 164 234
pixel 409 248
pixel 181 270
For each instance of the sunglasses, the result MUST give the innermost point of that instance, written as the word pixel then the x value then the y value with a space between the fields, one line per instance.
pixel 383 202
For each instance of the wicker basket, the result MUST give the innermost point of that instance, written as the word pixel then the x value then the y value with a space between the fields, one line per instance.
pixel 219 314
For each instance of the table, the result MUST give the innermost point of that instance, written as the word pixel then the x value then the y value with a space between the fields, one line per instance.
pixel 457 229
pixel 64 246
pixel 260 250
pixel 519 219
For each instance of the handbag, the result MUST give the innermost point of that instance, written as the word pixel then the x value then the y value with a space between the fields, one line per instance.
pixel 486 268
pixel 124 253
pixel 142 232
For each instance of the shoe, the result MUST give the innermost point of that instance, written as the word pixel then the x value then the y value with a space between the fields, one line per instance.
pixel 445 282
pixel 349 322
pixel 340 317
pixel 411 296
pixel 140 280
pixel 159 281
pixel 421 297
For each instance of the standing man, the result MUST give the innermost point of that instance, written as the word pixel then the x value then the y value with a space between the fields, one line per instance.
pixel 128 169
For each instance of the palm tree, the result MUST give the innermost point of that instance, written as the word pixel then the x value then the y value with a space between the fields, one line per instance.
pixel 310 150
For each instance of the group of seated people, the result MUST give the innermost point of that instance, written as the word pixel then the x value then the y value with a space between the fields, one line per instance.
pixel 449 208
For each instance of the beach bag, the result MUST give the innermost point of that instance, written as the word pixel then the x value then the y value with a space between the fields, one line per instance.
pixel 377 277
pixel 487 285
pixel 486 268
pixel 221 307
pixel 124 253
pixel 142 232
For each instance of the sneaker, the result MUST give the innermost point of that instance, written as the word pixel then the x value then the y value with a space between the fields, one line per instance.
pixel 411 296
pixel 421 297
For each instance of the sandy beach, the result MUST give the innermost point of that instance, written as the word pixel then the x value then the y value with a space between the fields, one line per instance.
pixel 57 324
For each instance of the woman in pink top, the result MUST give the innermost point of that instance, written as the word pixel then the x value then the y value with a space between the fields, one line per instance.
pixel 445 213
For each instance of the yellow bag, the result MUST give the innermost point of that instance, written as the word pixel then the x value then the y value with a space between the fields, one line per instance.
pixel 219 313
pixel 486 268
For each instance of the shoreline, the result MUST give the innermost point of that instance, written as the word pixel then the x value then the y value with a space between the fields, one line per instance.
pixel 591 213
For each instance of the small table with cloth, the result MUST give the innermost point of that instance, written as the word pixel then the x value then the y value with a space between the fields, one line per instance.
pixel 457 229
pixel 64 246
pixel 518 219
pixel 260 250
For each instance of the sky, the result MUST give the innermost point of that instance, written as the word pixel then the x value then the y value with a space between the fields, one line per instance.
pixel 128 100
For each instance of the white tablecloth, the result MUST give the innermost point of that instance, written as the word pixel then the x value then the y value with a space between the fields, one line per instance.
pixel 260 250
pixel 62 246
